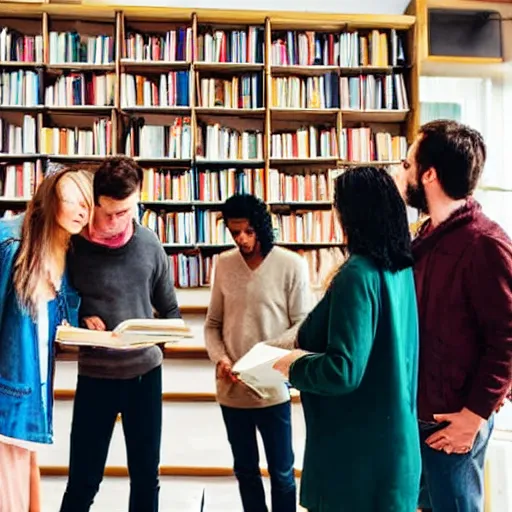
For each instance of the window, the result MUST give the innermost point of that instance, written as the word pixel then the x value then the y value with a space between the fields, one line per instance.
pixel 478 102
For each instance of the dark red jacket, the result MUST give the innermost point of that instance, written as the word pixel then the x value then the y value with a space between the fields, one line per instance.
pixel 463 272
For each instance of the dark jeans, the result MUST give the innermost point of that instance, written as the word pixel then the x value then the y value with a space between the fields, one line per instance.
pixel 97 404
pixel 274 425
pixel 454 483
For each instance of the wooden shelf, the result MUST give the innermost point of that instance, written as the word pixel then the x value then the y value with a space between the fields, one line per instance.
pixel 173 162
pixel 228 66
pixel 375 116
pixel 21 65
pixel 22 108
pixel 79 66
pixel 287 114
pixel 229 163
pixel 24 156
pixel 309 245
pixel 76 158
pixel 293 205
pixel 236 112
pixel 295 70
pixel 183 204
pixel 178 246
pixel 183 111
pixel 350 163
pixel 84 110
pixel 371 70
pixel 154 66
pixel 329 160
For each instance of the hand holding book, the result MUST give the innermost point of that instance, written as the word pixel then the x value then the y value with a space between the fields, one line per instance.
pixel 132 333
pixel 283 365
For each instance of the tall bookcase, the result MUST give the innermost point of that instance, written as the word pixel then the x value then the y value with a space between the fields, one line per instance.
pixel 209 102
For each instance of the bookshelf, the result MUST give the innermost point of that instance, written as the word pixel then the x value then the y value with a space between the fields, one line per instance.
pixel 210 103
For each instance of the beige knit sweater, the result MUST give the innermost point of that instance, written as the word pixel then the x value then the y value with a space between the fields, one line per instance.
pixel 249 306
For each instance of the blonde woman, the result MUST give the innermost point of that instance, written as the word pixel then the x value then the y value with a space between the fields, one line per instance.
pixel 35 297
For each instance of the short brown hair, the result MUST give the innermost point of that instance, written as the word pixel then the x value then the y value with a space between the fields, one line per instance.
pixel 117 177
pixel 457 153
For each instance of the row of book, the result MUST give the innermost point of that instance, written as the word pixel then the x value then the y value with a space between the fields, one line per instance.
pixel 374 48
pixel 244 91
pixel 302 186
pixel 374 92
pixel 217 143
pixel 236 46
pixel 71 47
pixel 307 227
pixel 78 89
pixel 156 141
pixel 17 47
pixel 172 46
pixel 365 145
pixel 165 90
pixel 306 92
pixel 196 270
pixel 207 227
pixel 20 88
pixel 214 142
pixel 306 142
pixel 365 92
pixel 96 141
pixel 20 181
pixel 18 139
pixel 349 49
pixel 200 184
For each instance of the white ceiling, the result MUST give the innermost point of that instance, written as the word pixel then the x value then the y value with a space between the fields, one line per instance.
pixel 342 6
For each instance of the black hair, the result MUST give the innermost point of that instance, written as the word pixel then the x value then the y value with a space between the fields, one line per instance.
pixel 247 206
pixel 374 217
pixel 117 177
pixel 457 153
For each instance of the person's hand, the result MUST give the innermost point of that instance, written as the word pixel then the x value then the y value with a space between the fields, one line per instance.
pixel 459 435
pixel 283 365
pixel 224 370
pixel 94 323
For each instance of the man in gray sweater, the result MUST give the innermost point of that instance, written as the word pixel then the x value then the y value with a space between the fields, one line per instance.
pixel 260 293
pixel 121 271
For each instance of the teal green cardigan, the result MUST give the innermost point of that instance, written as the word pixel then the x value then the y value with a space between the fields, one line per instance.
pixel 359 393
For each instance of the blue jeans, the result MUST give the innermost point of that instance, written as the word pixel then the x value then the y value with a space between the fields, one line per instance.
pixel 453 483
pixel 274 425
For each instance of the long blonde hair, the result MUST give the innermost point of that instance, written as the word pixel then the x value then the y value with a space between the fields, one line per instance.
pixel 41 235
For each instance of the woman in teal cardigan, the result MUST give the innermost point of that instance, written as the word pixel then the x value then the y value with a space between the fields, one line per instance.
pixel 357 367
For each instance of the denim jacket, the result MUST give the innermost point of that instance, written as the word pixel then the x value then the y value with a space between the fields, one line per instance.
pixel 23 414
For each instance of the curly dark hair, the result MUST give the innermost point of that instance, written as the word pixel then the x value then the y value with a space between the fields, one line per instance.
pixel 117 177
pixel 457 153
pixel 247 206
pixel 374 217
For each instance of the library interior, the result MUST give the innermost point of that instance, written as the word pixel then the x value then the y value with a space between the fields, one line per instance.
pixel 213 99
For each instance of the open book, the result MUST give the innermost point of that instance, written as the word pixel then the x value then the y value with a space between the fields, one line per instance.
pixel 128 334
pixel 255 370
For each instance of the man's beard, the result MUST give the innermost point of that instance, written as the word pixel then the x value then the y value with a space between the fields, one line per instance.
pixel 416 197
